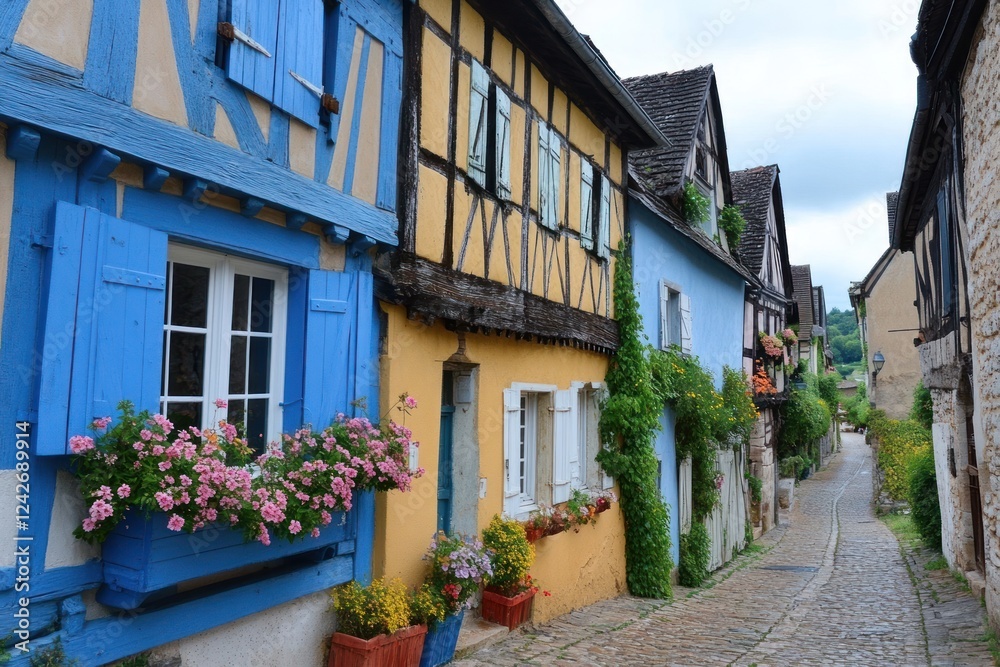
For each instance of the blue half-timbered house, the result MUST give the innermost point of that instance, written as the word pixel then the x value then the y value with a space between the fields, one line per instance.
pixel 190 192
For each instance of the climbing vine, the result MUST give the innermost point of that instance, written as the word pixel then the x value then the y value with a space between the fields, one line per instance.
pixel 629 420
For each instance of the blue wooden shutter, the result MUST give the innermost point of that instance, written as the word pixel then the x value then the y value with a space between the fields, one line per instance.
pixel 338 364
pixel 299 58
pixel 503 145
pixel 478 123
pixel 604 223
pixel 586 205
pixel 103 323
pixel 258 19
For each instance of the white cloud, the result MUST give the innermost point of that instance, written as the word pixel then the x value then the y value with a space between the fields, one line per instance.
pixel 770 57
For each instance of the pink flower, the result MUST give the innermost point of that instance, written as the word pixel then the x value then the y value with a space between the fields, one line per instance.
pixel 81 443
pixel 315 532
pixel 264 537
pixel 221 404
pixel 410 402
pixel 176 522
pixel 294 527
pixel 164 465
pixel 124 491
pixel 101 422
pixel 88 525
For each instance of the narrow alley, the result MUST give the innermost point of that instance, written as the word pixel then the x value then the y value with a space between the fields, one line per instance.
pixel 830 588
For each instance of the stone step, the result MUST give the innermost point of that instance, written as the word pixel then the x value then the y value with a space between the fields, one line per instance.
pixel 477 634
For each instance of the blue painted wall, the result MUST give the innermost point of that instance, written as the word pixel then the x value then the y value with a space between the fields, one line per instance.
pixel 717 296
pixel 67 130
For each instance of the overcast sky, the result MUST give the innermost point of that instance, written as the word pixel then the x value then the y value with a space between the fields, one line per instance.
pixel 824 89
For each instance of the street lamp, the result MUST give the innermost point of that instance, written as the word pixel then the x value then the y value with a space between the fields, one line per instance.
pixel 878 361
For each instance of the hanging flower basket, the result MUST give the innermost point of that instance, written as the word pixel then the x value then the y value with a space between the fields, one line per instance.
pixel 400 649
pixel 441 640
pixel 510 612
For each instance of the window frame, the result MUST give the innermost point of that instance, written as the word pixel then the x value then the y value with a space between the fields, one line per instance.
pixel 519 505
pixel 222 271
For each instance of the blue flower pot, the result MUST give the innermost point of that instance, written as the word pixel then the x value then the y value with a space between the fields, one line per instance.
pixel 439 646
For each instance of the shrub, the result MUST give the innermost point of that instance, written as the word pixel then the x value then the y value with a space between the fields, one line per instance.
pixel 792 466
pixel 826 386
pixel 695 553
pixel 923 495
pixel 380 608
pixel 512 554
pixel 858 408
pixel 733 224
pixel 756 488
pixel 458 567
pixel 922 411
pixel 697 208
pixel 897 443
pixel 805 419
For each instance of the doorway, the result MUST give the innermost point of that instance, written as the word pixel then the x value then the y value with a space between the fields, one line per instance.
pixel 446 447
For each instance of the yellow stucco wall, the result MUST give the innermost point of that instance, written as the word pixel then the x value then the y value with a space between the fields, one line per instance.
pixel 578 568
pixel 440 11
pixel 472 32
pixel 586 136
pixel 60 31
pixel 436 78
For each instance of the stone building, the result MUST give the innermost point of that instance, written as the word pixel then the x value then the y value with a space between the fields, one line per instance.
pixel 946 215
pixel 887 323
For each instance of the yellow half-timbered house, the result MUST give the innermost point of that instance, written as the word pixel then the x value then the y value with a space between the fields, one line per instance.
pixel 497 304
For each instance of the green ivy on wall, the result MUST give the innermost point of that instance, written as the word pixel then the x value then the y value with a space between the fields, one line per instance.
pixel 629 420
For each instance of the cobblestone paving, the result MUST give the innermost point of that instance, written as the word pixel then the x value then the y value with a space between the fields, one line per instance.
pixel 828 587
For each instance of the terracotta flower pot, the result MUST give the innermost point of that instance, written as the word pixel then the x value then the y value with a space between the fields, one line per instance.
pixel 555 528
pixel 534 533
pixel 503 610
pixel 400 649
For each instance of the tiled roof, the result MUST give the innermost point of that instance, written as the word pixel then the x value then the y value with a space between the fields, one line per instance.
pixel 675 103
pixel 753 192
pixel 891 199
pixel 803 295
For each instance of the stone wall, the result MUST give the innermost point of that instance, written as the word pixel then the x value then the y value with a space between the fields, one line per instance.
pixel 981 108
pixel 764 466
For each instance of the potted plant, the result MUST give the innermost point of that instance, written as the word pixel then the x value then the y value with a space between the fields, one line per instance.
pixel 538 523
pixel 459 565
pixel 603 500
pixel 146 484
pixel 559 521
pixel 508 598
pixel 375 626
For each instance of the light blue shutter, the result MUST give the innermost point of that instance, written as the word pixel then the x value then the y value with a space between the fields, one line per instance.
pixel 586 205
pixel 503 145
pixel 552 200
pixel 103 323
pixel 478 125
pixel 258 19
pixel 544 173
pixel 299 53
pixel 338 365
pixel 686 331
pixel 604 224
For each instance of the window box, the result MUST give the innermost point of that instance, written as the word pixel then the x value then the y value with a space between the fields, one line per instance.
pixel 143 559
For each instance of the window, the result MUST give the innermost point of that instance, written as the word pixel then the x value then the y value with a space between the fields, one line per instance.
pixel 700 163
pixel 527 437
pixel 489 134
pixel 223 338
pixel 675 318
pixel 595 210
pixel 549 163
pixel 276 50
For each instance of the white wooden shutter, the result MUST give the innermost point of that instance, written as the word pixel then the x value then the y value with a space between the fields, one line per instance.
pixel 685 308
pixel 564 440
pixel 664 316
pixel 511 450
pixel 479 93
pixel 684 493
pixel 604 225
pixel 578 449
pixel 503 145
pixel 586 205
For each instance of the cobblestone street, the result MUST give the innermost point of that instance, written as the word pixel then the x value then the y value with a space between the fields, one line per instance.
pixel 828 587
